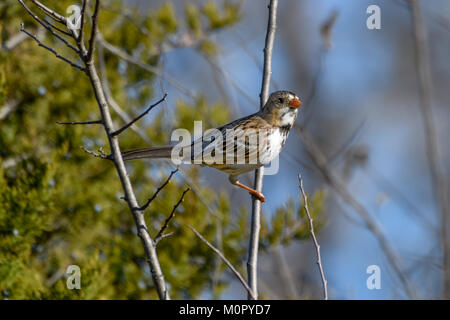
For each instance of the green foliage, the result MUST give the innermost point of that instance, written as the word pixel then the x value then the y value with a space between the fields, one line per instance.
pixel 60 206
pixel 231 14
pixel 193 19
pixel 288 223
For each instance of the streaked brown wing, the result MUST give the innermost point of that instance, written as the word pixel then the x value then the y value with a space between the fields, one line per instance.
pixel 240 142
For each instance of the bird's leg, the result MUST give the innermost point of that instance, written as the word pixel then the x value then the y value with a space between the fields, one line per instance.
pixel 253 192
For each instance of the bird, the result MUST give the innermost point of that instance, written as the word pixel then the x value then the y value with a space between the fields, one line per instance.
pixel 240 146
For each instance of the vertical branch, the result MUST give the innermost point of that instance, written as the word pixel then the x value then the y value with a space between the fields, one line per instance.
pixel 252 261
pixel 89 68
pixel 437 177
pixel 313 236
pixel 138 215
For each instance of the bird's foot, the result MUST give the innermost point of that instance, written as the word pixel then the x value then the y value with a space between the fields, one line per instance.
pixel 258 195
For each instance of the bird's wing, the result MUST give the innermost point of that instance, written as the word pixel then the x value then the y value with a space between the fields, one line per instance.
pixel 234 143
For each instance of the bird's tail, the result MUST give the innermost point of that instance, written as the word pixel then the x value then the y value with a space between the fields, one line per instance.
pixel 157 152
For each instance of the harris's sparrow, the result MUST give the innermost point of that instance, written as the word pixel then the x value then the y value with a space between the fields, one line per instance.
pixel 240 146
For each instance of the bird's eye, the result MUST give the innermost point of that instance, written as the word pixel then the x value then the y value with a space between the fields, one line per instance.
pixel 280 100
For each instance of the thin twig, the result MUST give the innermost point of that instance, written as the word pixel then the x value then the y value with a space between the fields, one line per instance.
pixel 48 27
pixel 99 154
pixel 256 204
pixel 320 160
pixel 157 191
pixel 81 122
pixel 80 39
pixel 438 182
pixel 73 64
pixel 129 124
pixel 93 32
pixel 313 235
pixel 160 234
pixel 227 262
pixel 58 29
pixel 51 13
pixel 110 99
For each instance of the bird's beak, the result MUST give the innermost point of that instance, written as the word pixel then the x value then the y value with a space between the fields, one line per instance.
pixel 295 103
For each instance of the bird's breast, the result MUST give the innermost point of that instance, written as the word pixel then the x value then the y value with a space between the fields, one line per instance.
pixel 275 142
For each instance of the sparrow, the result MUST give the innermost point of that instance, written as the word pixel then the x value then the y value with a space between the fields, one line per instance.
pixel 240 146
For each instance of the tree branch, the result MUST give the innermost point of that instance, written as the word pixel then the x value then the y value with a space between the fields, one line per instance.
pixel 93 31
pixel 80 38
pixel 57 17
pixel 73 64
pixel 99 154
pixel 313 236
pixel 158 190
pixel 48 27
pixel 256 205
pixel 438 182
pixel 109 97
pixel 227 262
pixel 117 132
pixel 82 122
pixel 160 234
pixel 116 155
pixel 320 161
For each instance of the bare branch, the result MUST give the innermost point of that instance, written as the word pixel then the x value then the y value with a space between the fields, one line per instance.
pixel 58 29
pixel 110 99
pixel 313 236
pixel 227 262
pixel 80 39
pixel 48 27
pixel 320 161
pixel 163 236
pixel 82 122
pixel 73 64
pixel 51 13
pixel 439 184
pixel 100 153
pixel 259 173
pixel 158 190
pixel 117 132
pixel 116 156
pixel 93 32
pixel 160 234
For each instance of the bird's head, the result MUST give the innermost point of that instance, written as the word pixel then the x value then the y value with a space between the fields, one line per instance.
pixel 281 108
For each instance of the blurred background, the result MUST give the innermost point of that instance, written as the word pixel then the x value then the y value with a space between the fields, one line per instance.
pixel 369 142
